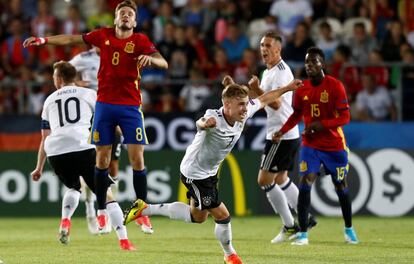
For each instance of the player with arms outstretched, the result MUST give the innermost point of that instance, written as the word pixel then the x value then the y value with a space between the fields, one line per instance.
pixel 217 133
pixel 123 53
pixel 323 104
pixel 66 120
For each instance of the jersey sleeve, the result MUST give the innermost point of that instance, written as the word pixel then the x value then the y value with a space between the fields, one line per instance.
pixel 252 107
pixel 45 116
pixel 341 100
pixel 90 98
pixel 286 77
pixel 77 63
pixel 211 113
pixel 297 102
pixel 147 47
pixel 94 38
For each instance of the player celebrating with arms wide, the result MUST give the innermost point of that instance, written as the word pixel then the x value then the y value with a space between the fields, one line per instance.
pixel 218 132
pixel 323 103
pixel 123 53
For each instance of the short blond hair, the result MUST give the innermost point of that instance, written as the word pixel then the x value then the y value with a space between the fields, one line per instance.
pixel 65 70
pixel 235 90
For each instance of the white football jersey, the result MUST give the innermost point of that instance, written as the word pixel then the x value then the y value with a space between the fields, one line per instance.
pixel 69 112
pixel 87 64
pixel 279 76
pixel 211 146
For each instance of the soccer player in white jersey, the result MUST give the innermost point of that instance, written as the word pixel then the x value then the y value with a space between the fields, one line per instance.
pixel 217 133
pixel 66 122
pixel 87 66
pixel 278 159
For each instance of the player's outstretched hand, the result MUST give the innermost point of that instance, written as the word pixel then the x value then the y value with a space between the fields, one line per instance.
pixel 144 60
pixel 36 174
pixel 210 122
pixel 254 83
pixel 312 128
pixel 34 41
pixel 277 137
pixel 227 80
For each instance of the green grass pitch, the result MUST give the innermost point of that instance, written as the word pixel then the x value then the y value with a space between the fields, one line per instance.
pixel 34 240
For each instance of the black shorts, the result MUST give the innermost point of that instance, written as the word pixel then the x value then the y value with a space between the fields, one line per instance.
pixel 204 192
pixel 116 147
pixel 280 156
pixel 70 166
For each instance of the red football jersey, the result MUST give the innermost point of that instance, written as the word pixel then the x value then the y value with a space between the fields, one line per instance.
pixel 319 103
pixel 119 76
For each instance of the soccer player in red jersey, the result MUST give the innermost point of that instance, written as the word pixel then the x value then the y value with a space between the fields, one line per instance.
pixel 323 104
pixel 123 54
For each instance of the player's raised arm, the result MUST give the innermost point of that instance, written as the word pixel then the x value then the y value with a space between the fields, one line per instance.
pixel 255 91
pixel 273 95
pixel 204 123
pixel 53 40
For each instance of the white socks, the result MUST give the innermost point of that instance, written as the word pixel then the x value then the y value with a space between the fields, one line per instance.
pixel 175 211
pixel 70 203
pixel 90 203
pixel 117 218
pixel 291 192
pixel 279 203
pixel 224 236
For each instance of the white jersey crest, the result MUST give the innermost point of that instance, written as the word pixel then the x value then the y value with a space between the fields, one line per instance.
pixel 211 146
pixel 87 64
pixel 69 112
pixel 279 76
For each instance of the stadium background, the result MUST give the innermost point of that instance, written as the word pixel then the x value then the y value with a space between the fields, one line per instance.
pixel 382 157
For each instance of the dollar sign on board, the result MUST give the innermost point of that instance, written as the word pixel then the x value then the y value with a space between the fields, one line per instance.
pixel 390 181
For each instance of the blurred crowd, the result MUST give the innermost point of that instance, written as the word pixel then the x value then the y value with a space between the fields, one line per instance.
pixel 368 45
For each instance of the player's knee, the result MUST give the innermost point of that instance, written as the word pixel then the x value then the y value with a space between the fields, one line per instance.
pixel 306 180
pixel 340 186
pixel 224 220
pixel 198 218
pixel 137 162
pixel 102 162
pixel 263 181
pixel 281 177
pixel 223 217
